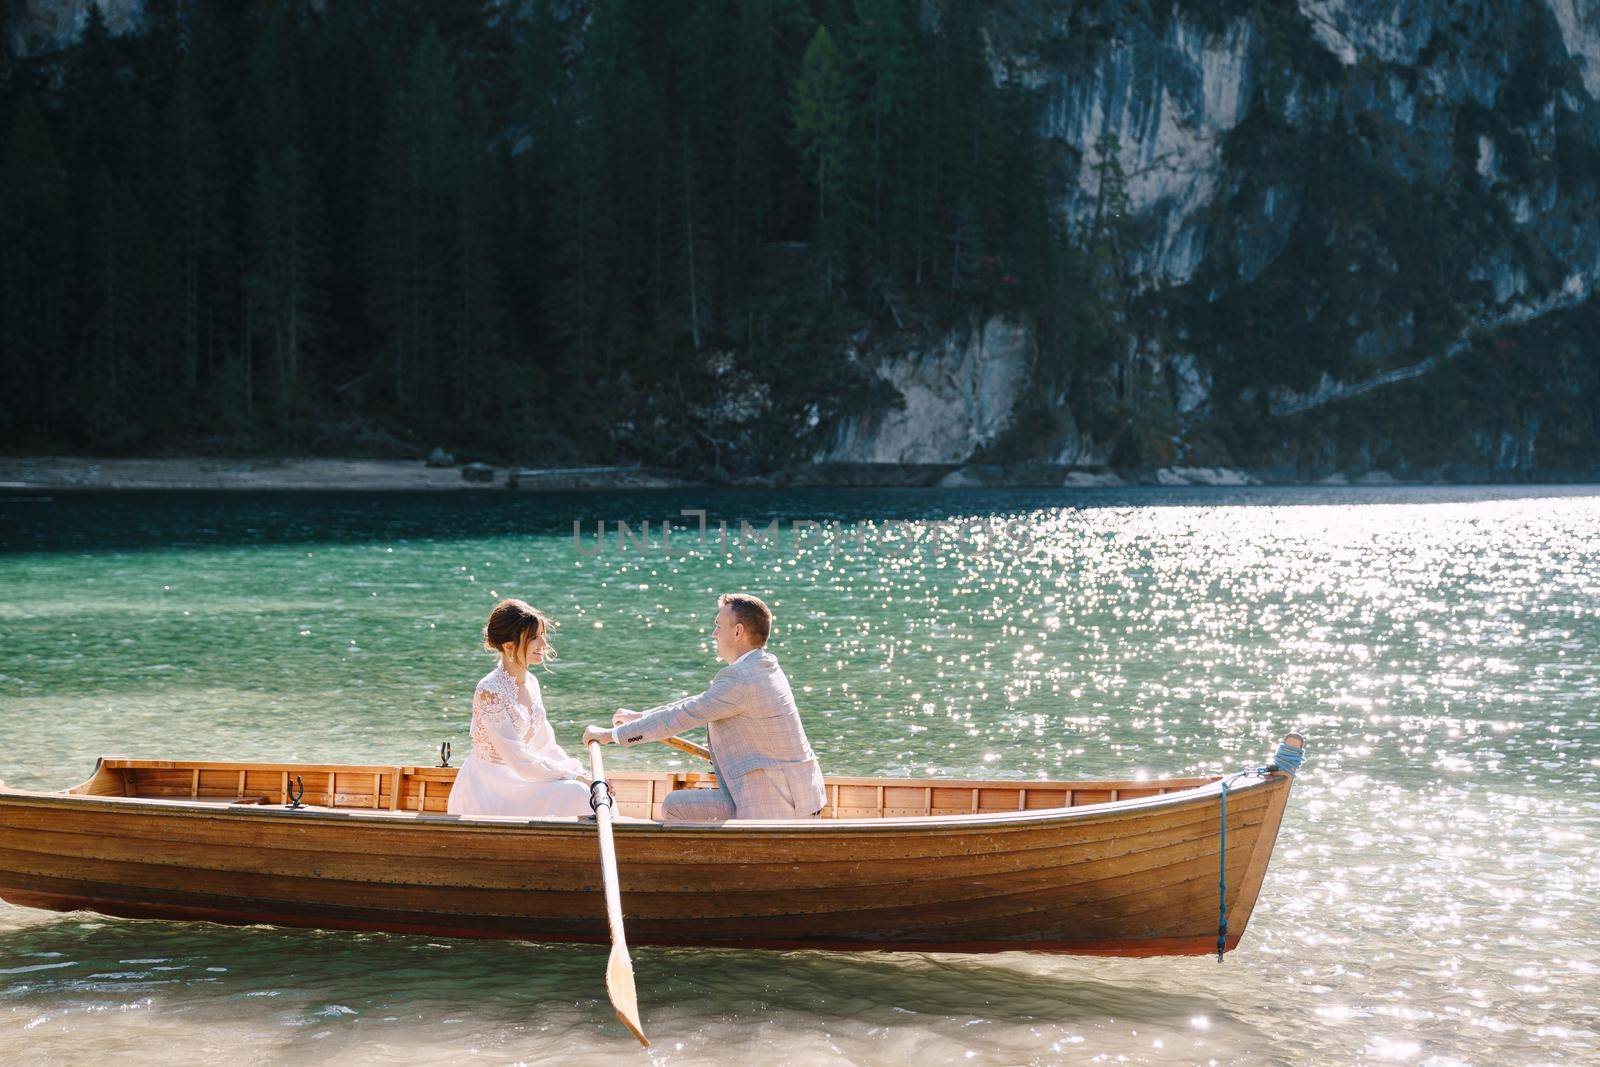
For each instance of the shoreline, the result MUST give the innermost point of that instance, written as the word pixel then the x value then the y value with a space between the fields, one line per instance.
pixel 287 472
pixel 54 473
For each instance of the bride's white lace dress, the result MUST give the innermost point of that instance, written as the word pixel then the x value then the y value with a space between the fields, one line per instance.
pixel 516 767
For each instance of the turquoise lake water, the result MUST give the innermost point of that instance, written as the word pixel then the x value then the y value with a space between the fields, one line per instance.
pixel 1432 899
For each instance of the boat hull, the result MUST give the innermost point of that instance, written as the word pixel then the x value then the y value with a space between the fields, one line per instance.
pixel 1131 878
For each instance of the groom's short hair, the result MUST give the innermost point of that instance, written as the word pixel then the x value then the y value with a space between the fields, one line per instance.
pixel 751 612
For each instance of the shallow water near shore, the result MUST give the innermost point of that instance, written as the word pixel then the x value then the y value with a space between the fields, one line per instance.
pixel 1431 899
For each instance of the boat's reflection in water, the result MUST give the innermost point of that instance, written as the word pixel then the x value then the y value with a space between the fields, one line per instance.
pixel 256 994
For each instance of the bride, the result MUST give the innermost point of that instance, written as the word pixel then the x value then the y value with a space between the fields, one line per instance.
pixel 516 767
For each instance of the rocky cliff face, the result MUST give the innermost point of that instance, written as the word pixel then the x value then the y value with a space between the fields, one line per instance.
pixel 956 396
pixel 1400 195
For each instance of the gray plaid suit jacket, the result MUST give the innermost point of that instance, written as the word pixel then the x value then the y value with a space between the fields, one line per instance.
pixel 753 729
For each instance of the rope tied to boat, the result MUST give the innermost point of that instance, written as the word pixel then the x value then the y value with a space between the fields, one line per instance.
pixel 1288 757
pixel 1222 860
pixel 1291 753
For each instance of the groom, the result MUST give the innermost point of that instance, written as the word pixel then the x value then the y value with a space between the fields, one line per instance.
pixel 765 766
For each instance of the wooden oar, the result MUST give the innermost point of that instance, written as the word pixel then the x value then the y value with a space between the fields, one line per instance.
pixel 619 969
pixel 688 746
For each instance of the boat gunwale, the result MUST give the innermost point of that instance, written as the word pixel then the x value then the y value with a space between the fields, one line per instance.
pixel 953 823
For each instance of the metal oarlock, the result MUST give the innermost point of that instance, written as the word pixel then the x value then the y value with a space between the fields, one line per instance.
pixel 444 753
pixel 601 794
pixel 297 789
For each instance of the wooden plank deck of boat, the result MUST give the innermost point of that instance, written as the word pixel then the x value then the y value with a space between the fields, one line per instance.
pixel 1100 867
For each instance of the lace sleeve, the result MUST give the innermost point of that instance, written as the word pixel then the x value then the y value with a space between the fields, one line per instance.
pixel 490 705
pixel 495 713
pixel 550 750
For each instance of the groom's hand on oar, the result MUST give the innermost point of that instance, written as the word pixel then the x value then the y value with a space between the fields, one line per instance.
pixel 605 736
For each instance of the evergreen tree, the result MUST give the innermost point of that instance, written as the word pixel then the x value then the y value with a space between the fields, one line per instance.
pixel 694 264
pixel 600 195
pixel 348 77
pixel 882 43
pixel 694 129
pixel 538 136
pixel 966 189
pixel 1107 260
pixel 188 198
pixel 476 317
pixel 822 113
pixel 103 116
pixel 35 377
pixel 281 237
pixel 765 62
pixel 414 221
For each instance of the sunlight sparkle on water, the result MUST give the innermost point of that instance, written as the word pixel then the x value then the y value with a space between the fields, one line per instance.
pixel 1429 902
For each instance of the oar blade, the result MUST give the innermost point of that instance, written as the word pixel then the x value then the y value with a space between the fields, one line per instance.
pixel 619 986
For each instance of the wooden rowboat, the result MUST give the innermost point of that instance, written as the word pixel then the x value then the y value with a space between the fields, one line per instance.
pixel 1126 868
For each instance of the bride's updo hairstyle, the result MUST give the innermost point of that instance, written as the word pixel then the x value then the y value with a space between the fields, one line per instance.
pixel 516 622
